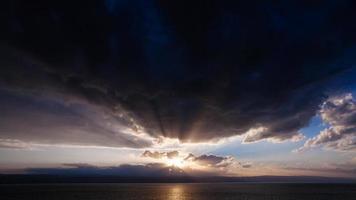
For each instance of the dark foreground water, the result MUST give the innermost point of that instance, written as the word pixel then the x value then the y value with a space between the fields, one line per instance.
pixel 170 191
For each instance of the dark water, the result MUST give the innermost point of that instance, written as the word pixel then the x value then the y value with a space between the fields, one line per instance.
pixel 169 191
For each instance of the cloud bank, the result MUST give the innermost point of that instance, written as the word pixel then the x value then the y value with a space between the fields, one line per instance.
pixel 148 170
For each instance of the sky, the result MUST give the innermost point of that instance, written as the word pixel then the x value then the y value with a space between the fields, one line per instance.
pixel 156 88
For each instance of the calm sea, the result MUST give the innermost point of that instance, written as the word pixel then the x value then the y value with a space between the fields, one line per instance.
pixel 184 191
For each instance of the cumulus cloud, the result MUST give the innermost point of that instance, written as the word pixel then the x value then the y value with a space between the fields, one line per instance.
pixel 339 113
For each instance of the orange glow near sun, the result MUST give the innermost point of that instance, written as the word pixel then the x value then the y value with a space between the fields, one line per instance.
pixel 176 162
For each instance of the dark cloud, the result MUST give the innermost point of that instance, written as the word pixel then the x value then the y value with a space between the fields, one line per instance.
pixel 148 170
pixel 339 113
pixel 247 165
pixel 195 71
pixel 212 165
pixel 210 160
pixel 172 154
pixel 155 154
pixel 27 120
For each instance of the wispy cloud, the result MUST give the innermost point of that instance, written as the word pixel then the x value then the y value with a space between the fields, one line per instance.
pixel 13 144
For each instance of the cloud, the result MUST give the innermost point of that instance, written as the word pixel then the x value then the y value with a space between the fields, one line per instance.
pixel 13 144
pixel 172 154
pixel 210 160
pixel 151 170
pixel 225 78
pixel 208 165
pixel 206 162
pixel 339 113
pixel 247 165
pixel 28 119
pixel 261 133
pixel 156 170
pixel 159 155
pixel 326 170
pixel 155 154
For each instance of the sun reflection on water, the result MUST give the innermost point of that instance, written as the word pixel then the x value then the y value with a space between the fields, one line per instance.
pixel 176 193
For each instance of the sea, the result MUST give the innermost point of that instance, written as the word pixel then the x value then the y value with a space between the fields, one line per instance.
pixel 178 191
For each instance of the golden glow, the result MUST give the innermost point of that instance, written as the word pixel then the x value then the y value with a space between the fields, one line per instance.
pixel 176 162
pixel 176 193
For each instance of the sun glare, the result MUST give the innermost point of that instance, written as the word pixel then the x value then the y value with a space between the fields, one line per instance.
pixel 177 162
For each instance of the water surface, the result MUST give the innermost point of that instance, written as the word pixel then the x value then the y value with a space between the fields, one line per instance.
pixel 184 191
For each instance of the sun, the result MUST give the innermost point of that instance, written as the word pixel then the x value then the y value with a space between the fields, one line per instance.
pixel 176 162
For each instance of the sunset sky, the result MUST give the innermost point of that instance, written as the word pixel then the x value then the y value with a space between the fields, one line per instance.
pixel 201 88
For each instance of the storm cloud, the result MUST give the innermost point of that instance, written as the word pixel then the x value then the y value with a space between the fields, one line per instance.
pixel 119 73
